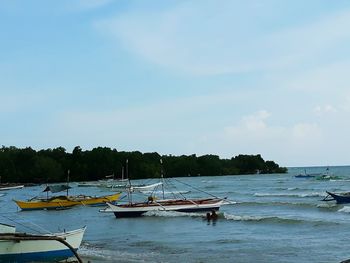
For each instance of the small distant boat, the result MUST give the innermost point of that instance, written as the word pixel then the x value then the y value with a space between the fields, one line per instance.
pixel 24 247
pixel 306 175
pixel 5 187
pixel 341 198
pixel 64 201
pixel 326 176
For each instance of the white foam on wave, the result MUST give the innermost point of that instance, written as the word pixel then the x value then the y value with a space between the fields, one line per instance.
pixel 173 214
pixel 345 209
pixel 310 194
pixel 244 217
pixel 326 205
pixel 98 253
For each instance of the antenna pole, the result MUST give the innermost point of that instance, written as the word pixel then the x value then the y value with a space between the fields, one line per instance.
pixel 68 181
pixel 162 176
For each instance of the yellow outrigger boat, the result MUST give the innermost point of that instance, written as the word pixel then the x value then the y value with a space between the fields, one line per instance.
pixel 64 201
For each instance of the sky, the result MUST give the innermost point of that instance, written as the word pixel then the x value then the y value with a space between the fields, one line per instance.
pixel 179 77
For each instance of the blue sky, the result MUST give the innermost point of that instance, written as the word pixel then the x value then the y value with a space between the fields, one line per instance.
pixel 179 77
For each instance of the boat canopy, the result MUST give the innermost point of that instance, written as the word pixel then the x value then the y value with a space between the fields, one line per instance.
pixel 56 188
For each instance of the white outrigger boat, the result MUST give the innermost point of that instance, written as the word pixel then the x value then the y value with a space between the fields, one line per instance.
pixel 178 205
pixel 24 247
pixel 152 204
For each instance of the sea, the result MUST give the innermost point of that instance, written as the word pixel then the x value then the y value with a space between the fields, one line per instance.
pixel 268 218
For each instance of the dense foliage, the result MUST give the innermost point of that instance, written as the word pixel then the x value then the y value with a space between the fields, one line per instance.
pixel 51 165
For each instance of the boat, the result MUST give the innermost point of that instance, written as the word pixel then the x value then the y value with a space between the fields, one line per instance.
pixel 25 247
pixel 5 187
pixel 340 198
pixel 306 175
pixel 152 203
pixel 179 205
pixel 64 201
pixel 134 188
pixel 326 176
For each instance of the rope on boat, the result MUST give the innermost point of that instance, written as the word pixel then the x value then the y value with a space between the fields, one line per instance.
pixel 26 226
pixel 19 237
pixel 195 188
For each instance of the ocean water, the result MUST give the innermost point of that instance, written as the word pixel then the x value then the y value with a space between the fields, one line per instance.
pixel 271 218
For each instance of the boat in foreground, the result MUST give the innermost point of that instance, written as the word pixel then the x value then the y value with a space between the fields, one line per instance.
pixel 178 205
pixel 342 198
pixel 64 201
pixel 24 247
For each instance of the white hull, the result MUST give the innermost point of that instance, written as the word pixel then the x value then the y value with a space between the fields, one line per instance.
pixel 11 187
pixel 138 209
pixel 31 250
pixel 145 187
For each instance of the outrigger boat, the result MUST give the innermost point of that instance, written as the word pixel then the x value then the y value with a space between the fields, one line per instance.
pixel 342 198
pixel 64 201
pixel 178 205
pixel 24 247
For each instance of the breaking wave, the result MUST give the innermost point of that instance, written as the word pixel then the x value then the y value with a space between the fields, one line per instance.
pixel 274 203
pixel 345 209
pixel 95 253
pixel 272 219
pixel 310 194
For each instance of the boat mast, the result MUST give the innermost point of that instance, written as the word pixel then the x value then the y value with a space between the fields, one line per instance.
pixel 162 176
pixel 127 176
pixel 68 181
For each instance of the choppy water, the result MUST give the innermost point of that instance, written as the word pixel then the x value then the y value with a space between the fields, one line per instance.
pixel 273 218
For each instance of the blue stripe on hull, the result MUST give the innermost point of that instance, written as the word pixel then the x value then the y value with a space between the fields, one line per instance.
pixel 49 256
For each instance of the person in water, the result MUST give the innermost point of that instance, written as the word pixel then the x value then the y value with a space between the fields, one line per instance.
pixel 212 216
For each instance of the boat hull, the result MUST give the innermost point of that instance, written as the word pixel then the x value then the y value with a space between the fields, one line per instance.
pixel 186 206
pixel 5 188
pixel 66 202
pixel 340 199
pixel 36 250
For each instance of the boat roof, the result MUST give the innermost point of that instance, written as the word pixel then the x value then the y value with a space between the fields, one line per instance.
pixel 56 188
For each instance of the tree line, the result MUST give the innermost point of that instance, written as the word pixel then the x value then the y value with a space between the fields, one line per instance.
pixel 27 165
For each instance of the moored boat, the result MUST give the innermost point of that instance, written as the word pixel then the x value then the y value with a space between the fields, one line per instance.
pixel 178 205
pixel 24 247
pixel 341 198
pixel 64 201
pixel 5 187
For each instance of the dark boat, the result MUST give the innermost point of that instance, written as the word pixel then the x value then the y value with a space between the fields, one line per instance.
pixel 342 198
pixel 304 176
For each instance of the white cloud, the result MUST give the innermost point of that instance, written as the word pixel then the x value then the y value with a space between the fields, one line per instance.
pixel 215 39
pixel 325 109
pixel 302 132
pixel 285 144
